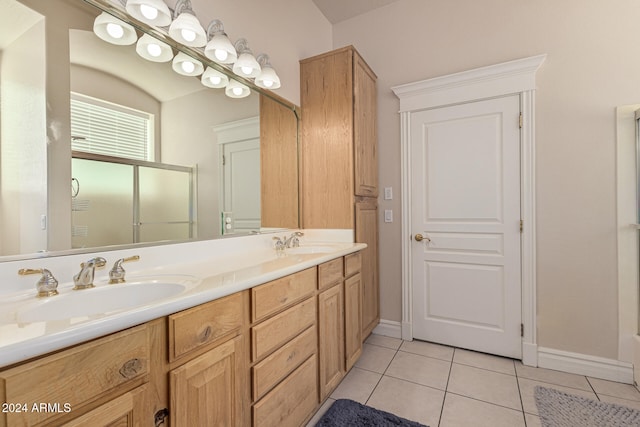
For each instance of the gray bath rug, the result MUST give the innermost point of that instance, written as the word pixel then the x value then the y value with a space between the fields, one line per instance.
pixel 347 413
pixel 558 409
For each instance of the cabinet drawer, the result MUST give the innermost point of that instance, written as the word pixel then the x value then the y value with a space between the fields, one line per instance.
pixel 75 376
pixel 352 264
pixel 292 401
pixel 204 324
pixel 274 296
pixel 329 273
pixel 274 368
pixel 273 333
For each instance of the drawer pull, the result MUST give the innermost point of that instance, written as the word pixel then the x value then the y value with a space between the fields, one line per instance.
pixel 206 334
pixel 291 356
pixel 283 300
pixel 131 368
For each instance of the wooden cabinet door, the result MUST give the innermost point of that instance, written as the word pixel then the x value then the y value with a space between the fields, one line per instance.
pixel 207 391
pixel 124 411
pixel 326 148
pixel 365 129
pixel 330 339
pixel 352 319
pixel 367 232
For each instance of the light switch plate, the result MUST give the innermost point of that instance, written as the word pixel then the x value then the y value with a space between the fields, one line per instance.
pixel 388 215
pixel 388 193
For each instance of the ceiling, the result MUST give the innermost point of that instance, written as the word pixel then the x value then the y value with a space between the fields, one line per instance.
pixel 341 10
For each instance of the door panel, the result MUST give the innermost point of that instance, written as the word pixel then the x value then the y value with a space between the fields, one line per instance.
pixel 466 204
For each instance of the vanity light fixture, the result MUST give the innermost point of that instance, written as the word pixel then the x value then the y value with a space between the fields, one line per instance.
pixel 236 89
pixel 219 47
pixel 246 65
pixel 152 12
pixel 214 79
pixel 186 28
pixel 267 79
pixel 186 65
pixel 153 49
pixel 114 31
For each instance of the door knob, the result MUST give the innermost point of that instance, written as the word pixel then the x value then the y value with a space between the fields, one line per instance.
pixel 419 238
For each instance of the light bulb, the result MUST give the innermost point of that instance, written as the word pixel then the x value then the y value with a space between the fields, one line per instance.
pixel 114 30
pixel 221 54
pixel 237 91
pixel 188 35
pixel 148 11
pixel 154 50
pixel 188 67
pixel 268 83
pixel 246 70
pixel 215 80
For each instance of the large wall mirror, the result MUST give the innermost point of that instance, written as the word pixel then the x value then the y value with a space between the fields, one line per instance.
pixel 74 174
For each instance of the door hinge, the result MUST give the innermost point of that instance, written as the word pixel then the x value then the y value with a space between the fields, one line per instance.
pixel 224 160
pixel 520 121
pixel 521 225
pixel 522 329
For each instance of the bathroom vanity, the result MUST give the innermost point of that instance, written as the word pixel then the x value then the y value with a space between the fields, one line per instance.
pixel 262 343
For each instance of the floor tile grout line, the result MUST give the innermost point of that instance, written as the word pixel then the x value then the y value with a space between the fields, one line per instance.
pixel 524 415
pixel 484 401
pixel 381 376
pixel 446 387
pixel 592 388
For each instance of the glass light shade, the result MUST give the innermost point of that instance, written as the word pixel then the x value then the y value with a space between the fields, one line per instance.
pixel 153 49
pixel 221 50
pixel 214 78
pixel 268 79
pixel 152 12
pixel 186 65
pixel 246 66
pixel 112 30
pixel 186 29
pixel 236 90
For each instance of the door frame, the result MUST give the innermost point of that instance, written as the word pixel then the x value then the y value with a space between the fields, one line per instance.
pixel 507 78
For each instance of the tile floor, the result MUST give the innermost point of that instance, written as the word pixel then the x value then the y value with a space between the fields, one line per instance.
pixel 442 386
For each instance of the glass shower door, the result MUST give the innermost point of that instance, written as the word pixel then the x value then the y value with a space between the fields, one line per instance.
pixel 164 211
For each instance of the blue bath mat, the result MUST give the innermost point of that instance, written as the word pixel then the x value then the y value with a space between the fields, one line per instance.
pixel 348 413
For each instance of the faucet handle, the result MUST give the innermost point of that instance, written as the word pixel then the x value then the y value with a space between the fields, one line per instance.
pixel 116 274
pixel 47 285
pixel 280 244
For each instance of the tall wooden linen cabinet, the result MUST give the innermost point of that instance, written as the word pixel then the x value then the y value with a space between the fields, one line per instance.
pixel 339 173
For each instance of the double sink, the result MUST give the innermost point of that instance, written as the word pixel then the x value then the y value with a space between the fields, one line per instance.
pixel 105 299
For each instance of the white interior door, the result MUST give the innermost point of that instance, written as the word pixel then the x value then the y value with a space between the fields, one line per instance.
pixel 241 198
pixel 465 202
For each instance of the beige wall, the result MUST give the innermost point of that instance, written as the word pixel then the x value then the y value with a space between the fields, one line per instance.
pixel 592 67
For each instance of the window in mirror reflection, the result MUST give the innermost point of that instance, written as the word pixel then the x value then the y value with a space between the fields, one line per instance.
pixel 109 129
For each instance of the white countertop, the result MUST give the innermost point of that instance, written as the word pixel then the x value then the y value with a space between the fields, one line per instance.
pixel 228 269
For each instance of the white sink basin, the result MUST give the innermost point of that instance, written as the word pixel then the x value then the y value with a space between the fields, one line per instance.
pixel 310 250
pixel 104 298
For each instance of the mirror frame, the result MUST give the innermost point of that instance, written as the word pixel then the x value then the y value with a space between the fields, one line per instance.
pixel 112 9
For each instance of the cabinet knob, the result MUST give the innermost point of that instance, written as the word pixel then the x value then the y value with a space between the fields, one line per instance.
pixel 131 368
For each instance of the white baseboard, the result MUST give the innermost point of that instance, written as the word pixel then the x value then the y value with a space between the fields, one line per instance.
pixel 583 364
pixel 388 328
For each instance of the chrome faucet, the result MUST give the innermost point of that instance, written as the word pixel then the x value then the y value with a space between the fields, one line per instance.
pixel 293 241
pixel 47 285
pixel 84 279
pixel 116 274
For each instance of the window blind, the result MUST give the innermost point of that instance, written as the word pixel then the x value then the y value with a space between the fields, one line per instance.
pixel 108 129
